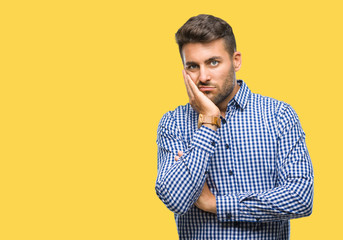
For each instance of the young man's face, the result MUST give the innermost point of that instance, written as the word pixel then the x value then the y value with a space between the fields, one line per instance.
pixel 212 69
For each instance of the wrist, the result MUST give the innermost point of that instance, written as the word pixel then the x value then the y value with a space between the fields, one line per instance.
pixel 213 114
pixel 212 122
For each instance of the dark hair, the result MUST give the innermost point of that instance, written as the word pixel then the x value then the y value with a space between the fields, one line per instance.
pixel 206 28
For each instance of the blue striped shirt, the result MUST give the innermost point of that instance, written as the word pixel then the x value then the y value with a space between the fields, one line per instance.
pixel 257 165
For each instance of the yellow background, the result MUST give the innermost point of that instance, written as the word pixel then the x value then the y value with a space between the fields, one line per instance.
pixel 85 83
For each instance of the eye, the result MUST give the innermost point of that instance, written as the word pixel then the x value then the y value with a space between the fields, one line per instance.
pixel 191 67
pixel 214 63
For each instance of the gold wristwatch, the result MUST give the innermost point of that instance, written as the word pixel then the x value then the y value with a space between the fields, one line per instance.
pixel 209 120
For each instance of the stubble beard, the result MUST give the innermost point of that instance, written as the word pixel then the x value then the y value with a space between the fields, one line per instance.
pixel 228 87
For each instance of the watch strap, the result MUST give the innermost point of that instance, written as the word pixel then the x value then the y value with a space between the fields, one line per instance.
pixel 214 120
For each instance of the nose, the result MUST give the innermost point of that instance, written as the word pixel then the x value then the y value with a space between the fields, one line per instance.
pixel 204 75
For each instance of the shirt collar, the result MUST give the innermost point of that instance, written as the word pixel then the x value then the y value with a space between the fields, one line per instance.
pixel 243 94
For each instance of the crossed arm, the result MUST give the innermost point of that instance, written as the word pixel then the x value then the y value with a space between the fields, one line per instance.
pixel 181 183
pixel 206 200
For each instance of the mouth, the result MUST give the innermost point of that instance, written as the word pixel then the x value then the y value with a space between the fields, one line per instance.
pixel 206 88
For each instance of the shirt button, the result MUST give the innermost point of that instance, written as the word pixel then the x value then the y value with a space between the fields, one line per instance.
pixel 230 172
pixel 229 216
pixel 213 143
pixel 227 146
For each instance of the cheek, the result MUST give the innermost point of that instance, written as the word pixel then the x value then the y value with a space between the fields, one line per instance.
pixel 220 73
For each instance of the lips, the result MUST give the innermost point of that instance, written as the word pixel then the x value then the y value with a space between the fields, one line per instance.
pixel 206 88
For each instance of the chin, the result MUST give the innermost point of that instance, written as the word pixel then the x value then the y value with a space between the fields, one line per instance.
pixel 210 96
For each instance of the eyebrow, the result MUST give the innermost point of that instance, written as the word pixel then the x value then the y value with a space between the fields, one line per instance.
pixel 213 58
pixel 206 61
pixel 191 63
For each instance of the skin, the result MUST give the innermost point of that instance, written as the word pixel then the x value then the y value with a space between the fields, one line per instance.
pixel 213 71
pixel 210 79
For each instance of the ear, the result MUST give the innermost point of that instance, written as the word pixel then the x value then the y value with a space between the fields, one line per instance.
pixel 237 60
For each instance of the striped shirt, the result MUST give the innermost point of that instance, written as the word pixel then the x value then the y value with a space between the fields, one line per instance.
pixel 257 165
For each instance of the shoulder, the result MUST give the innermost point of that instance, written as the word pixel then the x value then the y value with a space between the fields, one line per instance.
pixel 267 103
pixel 277 108
pixel 179 115
pixel 181 110
pixel 278 114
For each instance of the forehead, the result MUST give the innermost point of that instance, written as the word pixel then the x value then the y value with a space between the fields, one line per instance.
pixel 200 52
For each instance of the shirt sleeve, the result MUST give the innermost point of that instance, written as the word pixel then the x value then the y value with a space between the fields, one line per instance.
pixel 293 195
pixel 179 183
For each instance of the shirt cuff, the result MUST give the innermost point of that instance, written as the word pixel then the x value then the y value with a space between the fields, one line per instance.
pixel 227 208
pixel 205 139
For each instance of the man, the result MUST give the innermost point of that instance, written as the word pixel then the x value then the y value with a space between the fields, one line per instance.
pixel 231 164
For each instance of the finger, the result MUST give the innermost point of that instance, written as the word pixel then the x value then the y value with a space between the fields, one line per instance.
pixel 185 78
pixel 193 88
pixel 196 93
